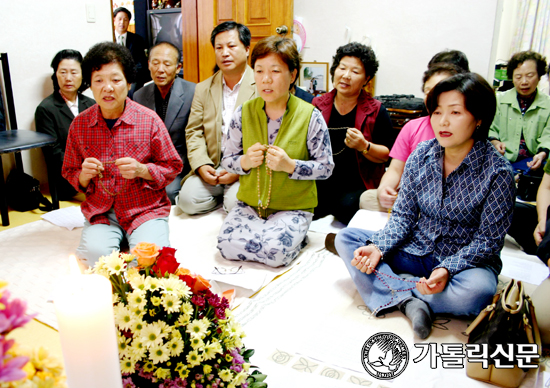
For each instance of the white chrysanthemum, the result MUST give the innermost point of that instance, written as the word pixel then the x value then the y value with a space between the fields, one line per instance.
pixel 173 285
pixel 183 320
pixel 151 335
pixel 127 365
pixel 127 257
pixel 137 350
pixel 197 328
pixel 176 346
pixel 114 264
pixel 116 298
pixel 124 346
pixel 186 308
pixel 171 303
pixel 197 343
pixel 152 283
pixel 136 280
pixel 165 329
pixel 212 349
pixel 137 326
pixel 193 358
pixel 123 317
pixel 159 353
pixel 137 298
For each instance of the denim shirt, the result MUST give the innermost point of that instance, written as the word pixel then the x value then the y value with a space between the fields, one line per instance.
pixel 462 219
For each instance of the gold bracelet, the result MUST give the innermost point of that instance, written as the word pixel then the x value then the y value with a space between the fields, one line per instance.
pixel 366 150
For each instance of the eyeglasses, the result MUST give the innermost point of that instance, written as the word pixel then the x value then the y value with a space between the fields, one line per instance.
pixel 228 270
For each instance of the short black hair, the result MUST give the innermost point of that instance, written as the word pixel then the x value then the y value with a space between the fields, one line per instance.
pixel 67 54
pixel 479 98
pixel 457 58
pixel 244 32
pixel 122 9
pixel 440 68
pixel 364 53
pixel 168 44
pixel 108 52
pixel 518 58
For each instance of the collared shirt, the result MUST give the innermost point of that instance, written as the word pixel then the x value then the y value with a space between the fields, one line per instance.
pixel 137 134
pixel 319 165
pixel 462 219
pixel 124 38
pixel 229 100
pixel 73 106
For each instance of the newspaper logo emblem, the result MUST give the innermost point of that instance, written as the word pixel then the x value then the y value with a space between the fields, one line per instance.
pixel 385 356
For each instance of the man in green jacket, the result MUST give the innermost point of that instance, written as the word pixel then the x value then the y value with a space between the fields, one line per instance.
pixel 521 128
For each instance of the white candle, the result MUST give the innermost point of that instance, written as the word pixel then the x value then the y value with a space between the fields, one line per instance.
pixel 84 309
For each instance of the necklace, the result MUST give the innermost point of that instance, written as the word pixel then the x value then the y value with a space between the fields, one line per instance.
pixel 269 173
pixel 345 146
pixel 103 186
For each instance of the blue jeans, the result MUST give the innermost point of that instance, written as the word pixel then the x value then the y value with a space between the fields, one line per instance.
pixel 101 239
pixel 466 293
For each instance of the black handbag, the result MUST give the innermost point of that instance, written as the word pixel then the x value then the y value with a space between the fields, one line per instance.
pixel 510 319
pixel 528 185
pixel 23 193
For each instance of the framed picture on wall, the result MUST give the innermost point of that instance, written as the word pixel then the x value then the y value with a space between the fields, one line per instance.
pixel 314 77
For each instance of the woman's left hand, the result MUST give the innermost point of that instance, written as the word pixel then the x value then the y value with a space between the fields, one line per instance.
pixel 278 160
pixel 435 284
pixel 355 139
pixel 537 161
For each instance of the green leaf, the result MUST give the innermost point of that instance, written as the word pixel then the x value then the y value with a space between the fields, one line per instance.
pixel 258 385
pixel 259 377
pixel 248 353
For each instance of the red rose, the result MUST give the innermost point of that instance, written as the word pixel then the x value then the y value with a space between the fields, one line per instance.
pixel 166 262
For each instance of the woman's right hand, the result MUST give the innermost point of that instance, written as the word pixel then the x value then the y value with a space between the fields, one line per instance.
pixel 254 156
pixel 387 196
pixel 366 258
pixel 91 167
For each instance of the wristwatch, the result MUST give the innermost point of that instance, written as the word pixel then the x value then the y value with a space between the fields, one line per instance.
pixel 366 150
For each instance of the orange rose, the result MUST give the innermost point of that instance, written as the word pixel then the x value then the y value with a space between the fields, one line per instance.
pixel 201 284
pixel 146 254
pixel 195 282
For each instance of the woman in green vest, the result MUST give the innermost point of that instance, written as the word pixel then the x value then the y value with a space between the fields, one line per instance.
pixel 279 145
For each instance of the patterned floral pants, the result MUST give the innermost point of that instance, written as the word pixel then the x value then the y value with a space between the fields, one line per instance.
pixel 274 241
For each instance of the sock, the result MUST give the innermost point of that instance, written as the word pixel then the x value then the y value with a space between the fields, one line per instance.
pixel 418 313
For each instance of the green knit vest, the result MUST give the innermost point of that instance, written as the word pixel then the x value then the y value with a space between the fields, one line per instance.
pixel 286 194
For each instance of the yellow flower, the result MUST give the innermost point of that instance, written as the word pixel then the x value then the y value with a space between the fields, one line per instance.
pixel 193 358
pixel 186 308
pixel 162 373
pixel 207 369
pixel 149 366
pixel 156 300
pixel 124 346
pixel 226 375
pixel 127 257
pixel 240 378
pixel 211 349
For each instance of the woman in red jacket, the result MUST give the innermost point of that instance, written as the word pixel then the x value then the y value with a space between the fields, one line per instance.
pixel 360 130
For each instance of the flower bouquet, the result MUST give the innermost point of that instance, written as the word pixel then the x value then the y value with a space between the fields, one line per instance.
pixel 21 367
pixel 173 331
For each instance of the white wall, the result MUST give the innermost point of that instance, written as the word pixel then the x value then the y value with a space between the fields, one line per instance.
pixel 404 34
pixel 32 33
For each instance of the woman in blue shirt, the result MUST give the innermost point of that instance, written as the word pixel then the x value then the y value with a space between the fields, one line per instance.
pixel 450 218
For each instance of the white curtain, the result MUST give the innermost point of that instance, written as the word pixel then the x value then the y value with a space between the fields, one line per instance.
pixel 533 31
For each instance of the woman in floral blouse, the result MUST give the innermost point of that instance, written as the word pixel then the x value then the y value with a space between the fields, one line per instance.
pixel 449 221
pixel 279 145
